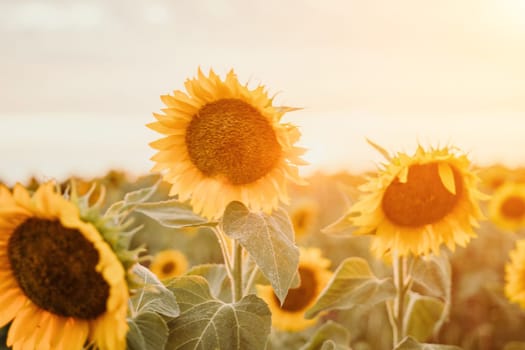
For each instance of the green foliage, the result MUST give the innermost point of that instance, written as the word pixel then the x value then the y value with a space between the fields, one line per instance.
pixel 423 316
pixel 353 284
pixel 341 224
pixel 153 296
pixel 151 305
pixel 217 278
pixel 269 240
pixel 147 331
pixel 429 308
pixel 330 336
pixel 432 275
pixel 130 201
pixel 172 214
pixel 208 323
pixel 411 344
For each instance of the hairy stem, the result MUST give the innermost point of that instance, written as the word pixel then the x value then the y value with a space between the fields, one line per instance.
pixel 223 243
pixel 251 279
pixel 237 271
pixel 403 284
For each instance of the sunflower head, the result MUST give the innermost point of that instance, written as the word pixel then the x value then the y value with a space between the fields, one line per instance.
pixel 314 275
pixel 416 203
pixel 304 216
pixel 61 275
pixel 168 264
pixel 225 142
pixel 494 176
pixel 515 275
pixel 507 206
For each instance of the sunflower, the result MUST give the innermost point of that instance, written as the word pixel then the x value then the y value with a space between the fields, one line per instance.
pixel 494 176
pixel 169 263
pixel 417 203
pixel 515 275
pixel 61 284
pixel 507 206
pixel 225 142
pixel 304 217
pixel 314 275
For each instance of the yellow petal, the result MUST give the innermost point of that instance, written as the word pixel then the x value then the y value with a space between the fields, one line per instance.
pixel 447 177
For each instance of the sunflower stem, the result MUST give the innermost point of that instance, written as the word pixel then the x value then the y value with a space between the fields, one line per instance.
pixel 226 256
pixel 237 271
pixel 251 280
pixel 403 284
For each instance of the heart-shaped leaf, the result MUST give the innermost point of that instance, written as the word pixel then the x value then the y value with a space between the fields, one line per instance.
pixel 269 240
pixel 208 323
pixel 352 284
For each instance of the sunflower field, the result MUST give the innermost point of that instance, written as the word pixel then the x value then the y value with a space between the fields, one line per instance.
pixel 225 246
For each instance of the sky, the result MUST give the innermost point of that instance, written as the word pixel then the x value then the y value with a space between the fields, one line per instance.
pixel 80 79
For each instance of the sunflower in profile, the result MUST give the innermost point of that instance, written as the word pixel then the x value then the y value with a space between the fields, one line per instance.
pixel 61 284
pixel 515 275
pixel 314 275
pixel 224 142
pixel 417 203
pixel 507 206
pixel 169 263
pixel 304 216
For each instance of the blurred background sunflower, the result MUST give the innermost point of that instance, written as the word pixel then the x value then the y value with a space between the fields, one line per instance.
pixel 169 263
pixel 314 275
pixel 507 206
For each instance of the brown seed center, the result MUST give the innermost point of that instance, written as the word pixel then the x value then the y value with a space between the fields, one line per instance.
pixel 232 139
pixel 422 199
pixel 168 268
pixel 300 297
pixel 55 268
pixel 513 208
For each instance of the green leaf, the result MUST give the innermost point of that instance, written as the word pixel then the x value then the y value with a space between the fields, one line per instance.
pixel 269 240
pixel 423 316
pixel 410 343
pixel 328 345
pixel 153 296
pixel 208 323
pixel 215 274
pixel 352 284
pixel 172 214
pixel 147 331
pixel 141 195
pixel 131 199
pixel 342 224
pixel 432 275
pixel 331 336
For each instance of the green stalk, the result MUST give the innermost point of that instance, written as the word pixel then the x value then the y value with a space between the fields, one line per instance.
pixel 402 284
pixel 226 256
pixel 237 271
